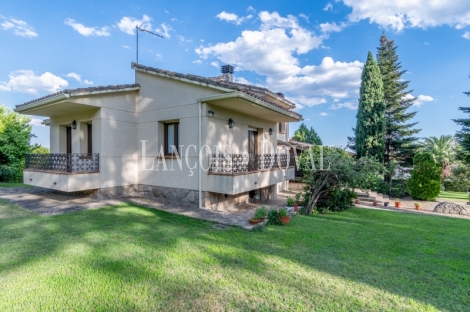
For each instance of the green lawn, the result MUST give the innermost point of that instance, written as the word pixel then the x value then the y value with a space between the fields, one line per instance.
pixel 453 196
pixel 132 258
pixel 5 184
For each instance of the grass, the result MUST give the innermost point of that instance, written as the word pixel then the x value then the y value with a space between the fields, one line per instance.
pixel 132 258
pixel 453 196
pixel 5 184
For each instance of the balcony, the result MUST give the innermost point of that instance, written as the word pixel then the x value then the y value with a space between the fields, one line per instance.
pixel 63 172
pixel 63 163
pixel 232 164
pixel 237 173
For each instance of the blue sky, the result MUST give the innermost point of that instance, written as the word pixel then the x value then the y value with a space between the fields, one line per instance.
pixel 312 51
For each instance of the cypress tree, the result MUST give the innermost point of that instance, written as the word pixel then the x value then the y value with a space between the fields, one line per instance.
pixel 425 181
pixel 400 145
pixel 370 126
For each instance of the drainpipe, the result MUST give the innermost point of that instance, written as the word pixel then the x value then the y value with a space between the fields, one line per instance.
pixel 199 155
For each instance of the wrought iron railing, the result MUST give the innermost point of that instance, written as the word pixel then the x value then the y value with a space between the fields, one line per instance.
pixel 241 163
pixel 62 162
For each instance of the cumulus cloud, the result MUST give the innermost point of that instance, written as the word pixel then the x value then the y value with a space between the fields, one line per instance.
pixel 421 99
pixel 332 27
pixel 36 122
pixel 268 51
pixel 26 81
pixel 466 35
pixel 232 18
pixel 79 78
pixel 88 31
pixel 273 51
pixel 399 15
pixel 352 105
pixel 127 24
pixel 18 27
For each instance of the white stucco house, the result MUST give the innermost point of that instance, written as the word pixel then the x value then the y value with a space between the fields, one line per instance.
pixel 205 141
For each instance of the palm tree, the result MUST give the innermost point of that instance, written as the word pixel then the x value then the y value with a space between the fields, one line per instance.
pixel 442 150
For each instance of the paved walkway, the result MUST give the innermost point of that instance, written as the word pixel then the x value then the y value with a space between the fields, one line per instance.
pixel 48 202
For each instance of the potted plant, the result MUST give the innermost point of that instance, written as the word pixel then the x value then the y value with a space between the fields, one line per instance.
pixel 283 216
pixel 357 201
pixel 397 203
pixel 297 201
pixel 261 212
pixel 375 203
pixel 257 218
pixel 418 206
pixel 290 202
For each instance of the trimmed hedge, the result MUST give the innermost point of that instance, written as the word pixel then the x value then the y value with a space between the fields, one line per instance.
pixel 425 182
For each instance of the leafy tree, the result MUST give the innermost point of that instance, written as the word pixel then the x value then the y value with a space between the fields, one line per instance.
pixel 370 126
pixel 400 144
pixel 425 181
pixel 442 150
pixel 38 149
pixel 15 136
pixel 309 136
pixel 328 170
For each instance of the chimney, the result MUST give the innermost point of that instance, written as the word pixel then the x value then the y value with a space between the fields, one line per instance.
pixel 227 72
pixel 280 94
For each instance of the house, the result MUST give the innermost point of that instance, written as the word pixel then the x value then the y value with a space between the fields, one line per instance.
pixel 205 141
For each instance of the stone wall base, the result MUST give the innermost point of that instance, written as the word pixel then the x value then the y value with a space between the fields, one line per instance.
pixel 222 202
pixel 210 200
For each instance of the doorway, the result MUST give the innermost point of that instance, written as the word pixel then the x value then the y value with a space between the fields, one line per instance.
pixel 69 140
pixel 252 141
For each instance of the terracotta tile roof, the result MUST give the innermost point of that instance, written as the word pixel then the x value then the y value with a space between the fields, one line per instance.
pixel 215 81
pixel 81 90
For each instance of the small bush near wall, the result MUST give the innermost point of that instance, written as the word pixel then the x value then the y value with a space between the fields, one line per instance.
pixel 425 181
pixel 11 174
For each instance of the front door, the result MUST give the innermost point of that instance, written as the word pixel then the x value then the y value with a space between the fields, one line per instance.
pixel 69 140
pixel 252 141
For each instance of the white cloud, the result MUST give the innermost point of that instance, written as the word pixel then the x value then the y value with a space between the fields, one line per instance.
pixel 242 80
pixel 350 105
pixel 127 24
pixel 250 8
pixel 19 27
pixel 233 18
pixel 421 99
pixel 466 35
pixel 166 11
pixel 324 114
pixel 88 31
pixel 328 7
pixel 27 82
pixel 198 62
pixel 174 19
pixel 307 101
pixel 79 78
pixel 332 27
pixel 215 64
pixel 402 14
pixel 268 51
pixel 159 56
pixel 36 122
pixel 164 30
pixel 183 39
pixel 125 47
pixel 74 76
pixel 305 17
pixel 273 51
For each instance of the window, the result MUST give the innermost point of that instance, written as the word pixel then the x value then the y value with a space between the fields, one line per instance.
pixel 171 138
pixel 282 127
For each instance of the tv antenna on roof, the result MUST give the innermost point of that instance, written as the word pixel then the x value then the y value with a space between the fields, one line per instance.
pixel 137 29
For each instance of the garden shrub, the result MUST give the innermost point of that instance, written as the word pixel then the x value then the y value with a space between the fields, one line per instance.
pixel 425 181
pixel 336 200
pixel 11 173
pixel 273 217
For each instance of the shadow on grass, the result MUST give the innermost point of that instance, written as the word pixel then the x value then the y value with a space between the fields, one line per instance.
pixel 412 256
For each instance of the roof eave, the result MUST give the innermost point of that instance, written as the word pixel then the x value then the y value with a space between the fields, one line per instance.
pixel 250 99
pixel 42 102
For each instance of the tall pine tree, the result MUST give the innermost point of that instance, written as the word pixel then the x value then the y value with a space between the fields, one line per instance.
pixel 370 126
pixel 309 136
pixel 463 136
pixel 400 144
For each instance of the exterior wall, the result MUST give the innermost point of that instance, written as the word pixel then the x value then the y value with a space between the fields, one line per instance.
pixel 62 182
pixel 223 202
